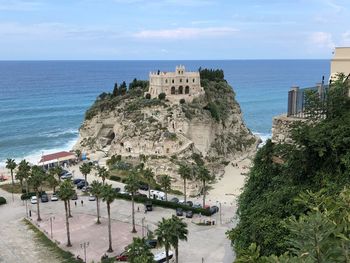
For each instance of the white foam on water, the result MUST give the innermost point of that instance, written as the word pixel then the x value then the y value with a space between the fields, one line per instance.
pixel 35 156
pixel 263 136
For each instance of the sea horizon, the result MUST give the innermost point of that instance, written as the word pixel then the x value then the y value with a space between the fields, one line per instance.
pixel 44 101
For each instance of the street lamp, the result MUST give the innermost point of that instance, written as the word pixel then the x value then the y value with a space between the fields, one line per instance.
pixel 84 246
pixel 51 219
pixel 220 212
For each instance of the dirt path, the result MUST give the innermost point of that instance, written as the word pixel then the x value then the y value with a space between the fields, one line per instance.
pixel 17 242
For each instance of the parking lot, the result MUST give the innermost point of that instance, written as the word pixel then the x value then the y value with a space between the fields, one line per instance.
pixel 205 243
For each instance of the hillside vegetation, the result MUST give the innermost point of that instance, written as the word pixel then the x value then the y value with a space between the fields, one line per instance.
pixel 295 206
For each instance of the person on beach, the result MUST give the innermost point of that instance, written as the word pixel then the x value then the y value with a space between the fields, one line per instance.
pixel 82 203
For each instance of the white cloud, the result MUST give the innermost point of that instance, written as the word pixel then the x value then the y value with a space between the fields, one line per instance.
pixel 185 33
pixel 322 40
pixel 345 40
pixel 18 5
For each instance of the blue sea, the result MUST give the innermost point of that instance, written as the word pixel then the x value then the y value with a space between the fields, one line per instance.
pixel 42 103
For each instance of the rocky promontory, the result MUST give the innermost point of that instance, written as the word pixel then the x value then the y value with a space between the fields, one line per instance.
pixel 162 133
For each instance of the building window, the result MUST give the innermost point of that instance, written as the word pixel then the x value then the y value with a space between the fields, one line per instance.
pixel 166 81
pixel 193 80
pixel 186 80
pixel 172 90
pixel 172 81
pixel 181 90
pixel 180 80
pixel 187 90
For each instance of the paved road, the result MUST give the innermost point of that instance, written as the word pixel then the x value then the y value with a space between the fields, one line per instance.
pixel 16 240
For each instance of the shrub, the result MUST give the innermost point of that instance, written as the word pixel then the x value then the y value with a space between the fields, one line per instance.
pixel 2 200
pixel 115 178
pixel 162 96
pixel 30 194
pixel 148 96
pixel 165 204
pixel 182 101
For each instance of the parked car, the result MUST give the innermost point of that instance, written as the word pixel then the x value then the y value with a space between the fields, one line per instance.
pixel 197 206
pixel 78 180
pixel 74 197
pixel 175 200
pixel 212 210
pixel 33 200
pixel 54 197
pixel 179 212
pixel 148 206
pixel 122 256
pixel 63 172
pixel 151 243
pixel 44 198
pixel 92 197
pixel 86 188
pixel 189 214
pixel 81 185
pixel 66 176
pixel 117 189
pixel 161 257
pixel 189 203
pixel 215 208
pixel 143 186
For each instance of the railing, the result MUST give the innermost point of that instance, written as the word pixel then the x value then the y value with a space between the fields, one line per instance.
pixel 297 99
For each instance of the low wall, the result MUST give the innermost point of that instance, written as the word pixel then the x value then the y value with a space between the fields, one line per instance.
pixel 281 128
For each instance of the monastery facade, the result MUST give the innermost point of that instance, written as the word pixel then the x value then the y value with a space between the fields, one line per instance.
pixel 176 85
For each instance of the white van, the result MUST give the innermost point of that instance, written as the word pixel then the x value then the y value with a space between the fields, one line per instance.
pixel 33 200
pixel 159 195
pixel 161 257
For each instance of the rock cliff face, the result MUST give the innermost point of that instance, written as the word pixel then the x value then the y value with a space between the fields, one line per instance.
pixel 164 132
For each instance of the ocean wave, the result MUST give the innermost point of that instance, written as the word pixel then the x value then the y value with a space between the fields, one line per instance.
pixel 263 136
pixel 34 156
pixel 60 133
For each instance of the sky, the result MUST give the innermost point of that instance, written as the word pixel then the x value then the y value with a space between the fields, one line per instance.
pixel 172 29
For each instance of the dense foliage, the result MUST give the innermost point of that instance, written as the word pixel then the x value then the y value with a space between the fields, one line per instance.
pixel 319 160
pixel 2 200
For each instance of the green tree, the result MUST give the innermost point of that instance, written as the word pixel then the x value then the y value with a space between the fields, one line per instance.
pixel 11 165
pixel 85 169
pixel 58 171
pixel 53 182
pixel 148 175
pixel 115 90
pixel 204 177
pixel 186 174
pixel 123 88
pixel 66 193
pixel 139 251
pixel 162 96
pixel 132 186
pixel 179 232
pixel 108 195
pixel 165 183
pixel 102 173
pixel 164 235
pixel 24 170
pixel 36 180
pixel 78 153
pixel 96 190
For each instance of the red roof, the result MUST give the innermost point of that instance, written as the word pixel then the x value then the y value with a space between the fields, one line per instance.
pixel 55 156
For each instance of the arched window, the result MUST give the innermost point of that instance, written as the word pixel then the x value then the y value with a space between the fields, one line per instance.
pixel 187 89
pixel 172 90
pixel 181 80
pixel 181 90
pixel 166 81
pixel 172 81
pixel 193 80
pixel 186 80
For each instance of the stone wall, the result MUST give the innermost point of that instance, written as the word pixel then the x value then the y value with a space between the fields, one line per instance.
pixel 281 128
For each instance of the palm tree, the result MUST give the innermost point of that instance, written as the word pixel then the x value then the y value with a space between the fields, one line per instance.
pixel 108 195
pixel 149 177
pixel 163 233
pixel 78 153
pixel 53 182
pixel 185 173
pixel 132 185
pixel 179 232
pixel 58 171
pixel 85 169
pixel 66 193
pixel 11 165
pixel 24 170
pixel 36 180
pixel 204 177
pixel 96 189
pixel 165 182
pixel 103 173
pixel 139 251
